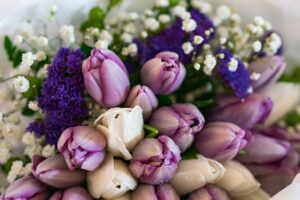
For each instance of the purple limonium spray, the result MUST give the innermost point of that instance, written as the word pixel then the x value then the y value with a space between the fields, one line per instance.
pixel 233 72
pixel 173 37
pixel 62 98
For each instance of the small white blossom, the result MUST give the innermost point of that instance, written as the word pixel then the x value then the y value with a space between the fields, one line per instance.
pixel 273 43
pixel 144 34
pixel 164 18
pixel 235 18
pixel 151 24
pixel 130 28
pixel 223 12
pixel 28 138
pixel 33 105
pixel 15 171
pixel 67 34
pixel 48 150
pixel 197 66
pixel 189 25
pixel 101 44
pixel 125 51
pixel 257 45
pixel 198 39
pixel 187 47
pixel 162 3
pixel 126 37
pixel 1 117
pixel 132 49
pixel 267 25
pixel 223 40
pixel 255 76
pixel 259 21
pixel 133 16
pixel 210 62
pixel 33 150
pixel 26 170
pixel 221 55
pixel 181 12
pixel 21 84
pixel 148 12
pixel 4 154
pixel 250 90
pixel 43 41
pixel 204 7
pixel 41 55
pixel 18 39
pixel 106 36
pixel 53 9
pixel 28 59
pixel 233 65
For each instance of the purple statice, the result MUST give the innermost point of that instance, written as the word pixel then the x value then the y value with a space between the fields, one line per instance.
pixel 172 38
pixel 238 80
pixel 62 97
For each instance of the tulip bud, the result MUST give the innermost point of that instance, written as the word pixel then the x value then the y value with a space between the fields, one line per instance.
pixel 144 97
pixel 269 69
pixel 281 106
pixel 164 73
pixel 111 180
pixel 258 194
pixel 180 122
pixel 105 78
pixel 83 147
pixel 196 173
pixel 54 172
pixel 245 113
pixel 76 193
pixel 237 180
pixel 121 133
pixel 209 192
pixel 155 160
pixel 221 140
pixel 151 192
pixel 126 196
pixel 26 188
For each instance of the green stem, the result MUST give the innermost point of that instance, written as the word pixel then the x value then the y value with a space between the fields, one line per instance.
pixel 153 131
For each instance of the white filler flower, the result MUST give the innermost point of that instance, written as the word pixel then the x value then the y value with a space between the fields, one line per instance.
pixel 21 84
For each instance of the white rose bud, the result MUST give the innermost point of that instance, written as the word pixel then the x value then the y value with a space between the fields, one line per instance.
pixel 121 133
pixel 237 180
pixel 196 173
pixel 111 180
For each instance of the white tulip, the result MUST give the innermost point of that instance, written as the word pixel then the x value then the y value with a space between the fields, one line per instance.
pixel 237 180
pixel 195 173
pixel 123 129
pixel 126 196
pixel 291 192
pixel 258 194
pixel 285 97
pixel 111 180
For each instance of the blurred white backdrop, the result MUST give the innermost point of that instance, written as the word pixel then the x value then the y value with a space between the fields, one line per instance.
pixel 284 15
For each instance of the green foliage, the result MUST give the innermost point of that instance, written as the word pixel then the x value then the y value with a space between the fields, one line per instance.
pixel 86 49
pixel 35 88
pixel 204 103
pixel 113 3
pixel 293 77
pixel 292 118
pixel 189 154
pixel 95 19
pixel 135 79
pixel 5 168
pixel 165 100
pixel 173 2
pixel 13 53
pixel 150 132
pixel 27 111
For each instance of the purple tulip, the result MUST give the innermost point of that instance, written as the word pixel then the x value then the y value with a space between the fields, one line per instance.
pixel 105 78
pixel 144 97
pixel 151 192
pixel 26 188
pixel 209 192
pixel 75 193
pixel 221 141
pixel 54 172
pixel 246 113
pixel 180 122
pixel 83 147
pixel 155 160
pixel 164 73
pixel 270 69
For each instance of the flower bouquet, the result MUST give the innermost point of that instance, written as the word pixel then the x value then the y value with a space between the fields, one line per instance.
pixel 179 101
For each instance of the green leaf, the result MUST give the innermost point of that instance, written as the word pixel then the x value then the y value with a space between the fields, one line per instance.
pixel 35 88
pixel 292 118
pixel 293 77
pixel 27 111
pixel 113 3
pixel 135 78
pixel 173 2
pixel 96 14
pixel 204 104
pixel 86 49
pixel 150 132
pixel 189 154
pixel 13 53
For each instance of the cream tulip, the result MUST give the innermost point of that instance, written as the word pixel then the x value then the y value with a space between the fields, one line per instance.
pixel 258 194
pixel 285 97
pixel 196 173
pixel 126 196
pixel 237 180
pixel 123 129
pixel 111 180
